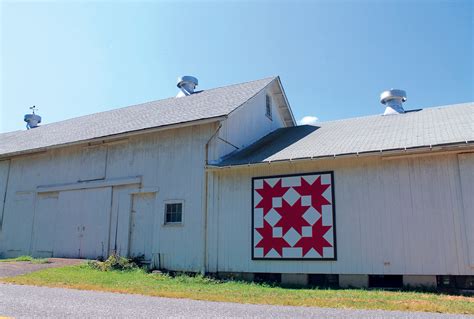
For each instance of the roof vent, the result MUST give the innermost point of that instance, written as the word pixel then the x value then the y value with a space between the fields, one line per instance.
pixel 32 120
pixel 186 84
pixel 393 99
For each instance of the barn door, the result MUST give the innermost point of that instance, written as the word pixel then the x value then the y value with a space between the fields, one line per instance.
pixel 141 225
pixel 83 221
pixel 44 224
pixel 96 223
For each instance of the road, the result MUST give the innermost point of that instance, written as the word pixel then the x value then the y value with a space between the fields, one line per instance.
pixel 29 301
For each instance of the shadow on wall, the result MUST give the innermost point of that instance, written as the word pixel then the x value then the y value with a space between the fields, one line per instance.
pixel 269 145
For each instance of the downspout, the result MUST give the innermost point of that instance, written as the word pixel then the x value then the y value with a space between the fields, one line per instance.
pixel 206 191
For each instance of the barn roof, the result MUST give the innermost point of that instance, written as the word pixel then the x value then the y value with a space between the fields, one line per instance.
pixel 208 104
pixel 430 127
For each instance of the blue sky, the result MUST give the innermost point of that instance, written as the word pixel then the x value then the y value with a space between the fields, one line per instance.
pixel 334 57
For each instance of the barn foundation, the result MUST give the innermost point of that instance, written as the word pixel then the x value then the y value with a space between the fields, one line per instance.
pixel 419 281
pixel 294 279
pixel 356 281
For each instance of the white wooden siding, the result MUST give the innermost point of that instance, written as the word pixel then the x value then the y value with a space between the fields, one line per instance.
pixel 96 155
pixel 44 224
pixel 170 163
pixel 247 124
pixel 141 228
pixel 4 170
pixel 398 216
pixel 466 169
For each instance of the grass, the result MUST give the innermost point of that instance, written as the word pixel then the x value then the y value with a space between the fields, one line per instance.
pixel 202 288
pixel 27 258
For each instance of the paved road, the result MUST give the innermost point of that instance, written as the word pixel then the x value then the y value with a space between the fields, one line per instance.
pixel 8 269
pixel 28 301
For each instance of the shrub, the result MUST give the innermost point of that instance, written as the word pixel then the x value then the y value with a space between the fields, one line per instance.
pixel 23 258
pixel 114 262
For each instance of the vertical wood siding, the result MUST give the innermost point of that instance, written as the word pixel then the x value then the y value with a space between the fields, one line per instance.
pixel 466 170
pixel 398 216
pixel 4 172
pixel 247 124
pixel 170 162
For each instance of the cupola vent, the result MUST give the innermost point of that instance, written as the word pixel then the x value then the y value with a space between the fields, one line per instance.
pixel 393 99
pixel 187 84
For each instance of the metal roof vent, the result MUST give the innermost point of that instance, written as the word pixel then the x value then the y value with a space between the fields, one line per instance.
pixel 393 99
pixel 32 120
pixel 186 84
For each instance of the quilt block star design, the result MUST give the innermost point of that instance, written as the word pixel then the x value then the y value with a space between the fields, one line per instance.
pixel 294 217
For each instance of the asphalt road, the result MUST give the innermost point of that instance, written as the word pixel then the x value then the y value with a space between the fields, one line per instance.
pixel 28 301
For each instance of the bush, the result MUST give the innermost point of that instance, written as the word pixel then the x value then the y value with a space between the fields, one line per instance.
pixel 114 262
pixel 23 258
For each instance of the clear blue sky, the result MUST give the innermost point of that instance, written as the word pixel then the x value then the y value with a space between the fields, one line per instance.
pixel 334 57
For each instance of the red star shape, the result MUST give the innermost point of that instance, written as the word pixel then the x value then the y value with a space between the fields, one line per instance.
pixel 316 241
pixel 267 193
pixel 292 216
pixel 316 191
pixel 268 242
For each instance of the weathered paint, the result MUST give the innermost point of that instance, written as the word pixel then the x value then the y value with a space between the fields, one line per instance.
pixel 466 172
pixel 141 230
pixel 400 216
pixel 249 122
pixel 90 200
pixel 4 174
pixel 73 201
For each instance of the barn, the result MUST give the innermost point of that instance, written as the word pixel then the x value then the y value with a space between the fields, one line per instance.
pixel 223 181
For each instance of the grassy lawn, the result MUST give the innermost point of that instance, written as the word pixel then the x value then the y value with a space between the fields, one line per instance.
pixel 202 288
pixel 27 258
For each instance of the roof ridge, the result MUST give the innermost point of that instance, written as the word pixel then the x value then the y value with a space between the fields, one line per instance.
pixel 240 83
pixel 141 104
pixel 428 108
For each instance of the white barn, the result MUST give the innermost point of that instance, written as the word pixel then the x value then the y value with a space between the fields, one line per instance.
pixel 223 181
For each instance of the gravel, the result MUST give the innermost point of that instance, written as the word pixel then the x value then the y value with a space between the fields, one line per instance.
pixel 29 301
pixel 15 268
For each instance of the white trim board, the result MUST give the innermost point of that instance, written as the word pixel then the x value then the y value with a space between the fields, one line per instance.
pixel 89 184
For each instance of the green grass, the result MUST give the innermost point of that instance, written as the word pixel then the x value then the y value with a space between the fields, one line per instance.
pixel 27 258
pixel 203 288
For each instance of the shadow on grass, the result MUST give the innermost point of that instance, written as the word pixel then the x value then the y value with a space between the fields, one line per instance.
pixel 274 282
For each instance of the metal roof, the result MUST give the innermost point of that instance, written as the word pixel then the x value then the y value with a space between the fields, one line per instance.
pixel 453 124
pixel 202 105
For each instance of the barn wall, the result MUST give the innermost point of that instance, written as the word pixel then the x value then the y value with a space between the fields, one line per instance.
pixel 4 171
pixel 170 164
pixel 466 170
pixel 398 216
pixel 247 124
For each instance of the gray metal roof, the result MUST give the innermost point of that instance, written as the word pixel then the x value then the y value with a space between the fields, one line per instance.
pixel 428 127
pixel 207 104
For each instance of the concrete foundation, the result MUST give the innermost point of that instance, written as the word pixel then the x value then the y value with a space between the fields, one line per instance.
pixel 294 279
pixel 356 281
pixel 419 281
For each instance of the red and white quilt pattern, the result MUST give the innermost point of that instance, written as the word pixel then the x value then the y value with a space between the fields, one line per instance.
pixel 293 217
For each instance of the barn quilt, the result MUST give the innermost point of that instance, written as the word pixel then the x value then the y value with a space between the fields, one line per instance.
pixel 294 217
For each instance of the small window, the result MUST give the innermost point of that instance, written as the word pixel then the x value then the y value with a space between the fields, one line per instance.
pixel 173 213
pixel 268 106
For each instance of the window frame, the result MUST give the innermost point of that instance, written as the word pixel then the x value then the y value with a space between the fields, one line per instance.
pixel 165 207
pixel 268 107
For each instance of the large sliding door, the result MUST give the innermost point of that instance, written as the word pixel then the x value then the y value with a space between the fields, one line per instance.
pixel 82 223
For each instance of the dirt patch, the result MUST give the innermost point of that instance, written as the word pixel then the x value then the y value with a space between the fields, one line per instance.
pixel 15 268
